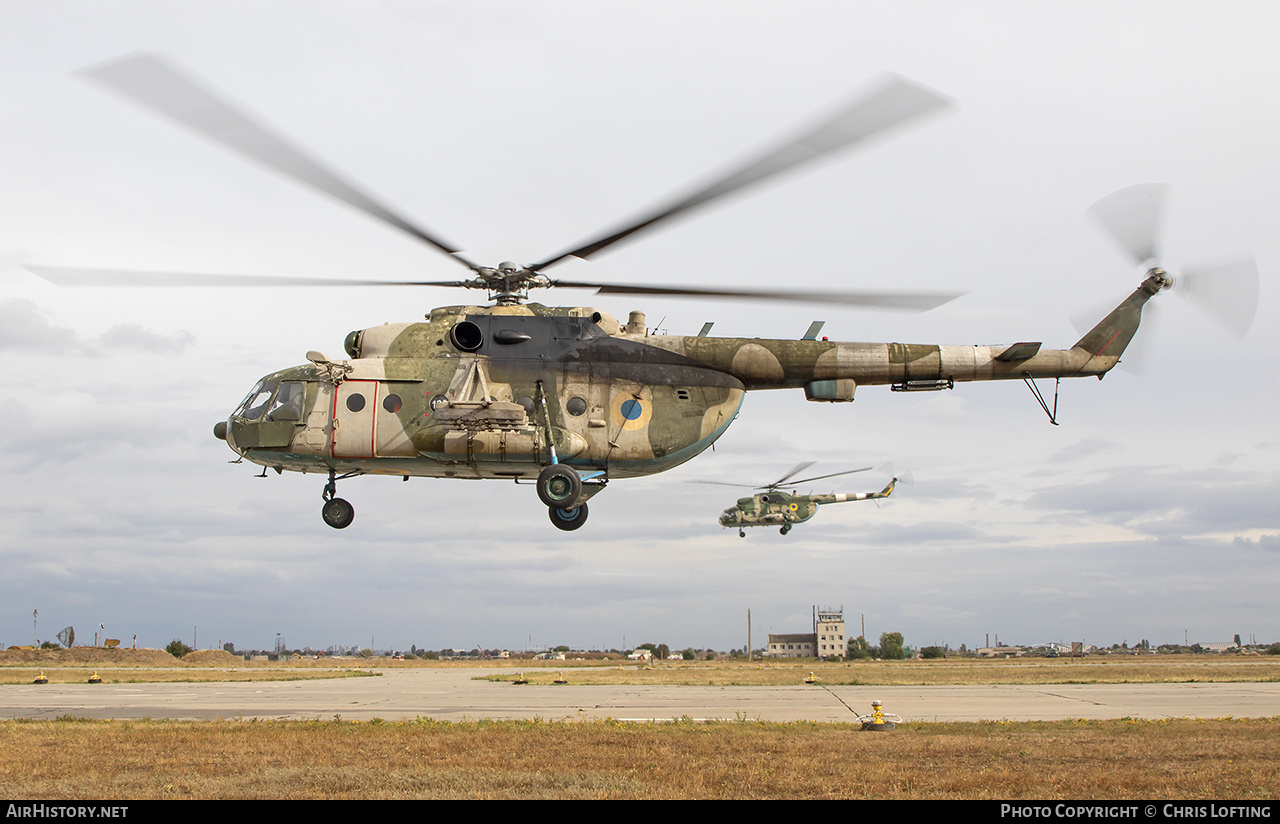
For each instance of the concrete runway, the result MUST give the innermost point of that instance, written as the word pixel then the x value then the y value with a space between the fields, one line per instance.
pixel 453 695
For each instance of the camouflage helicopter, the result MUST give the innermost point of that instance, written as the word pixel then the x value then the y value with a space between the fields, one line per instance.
pixel 783 509
pixel 568 398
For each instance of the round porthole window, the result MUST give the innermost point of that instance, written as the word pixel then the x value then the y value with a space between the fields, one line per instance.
pixel 355 402
pixel 575 406
pixel 392 403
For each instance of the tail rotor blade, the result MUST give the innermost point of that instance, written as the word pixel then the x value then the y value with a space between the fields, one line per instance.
pixel 1133 217
pixel 1137 357
pixel 903 477
pixel 1228 292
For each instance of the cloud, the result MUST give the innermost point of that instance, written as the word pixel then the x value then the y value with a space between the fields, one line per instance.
pixel 129 337
pixel 1267 543
pixel 26 327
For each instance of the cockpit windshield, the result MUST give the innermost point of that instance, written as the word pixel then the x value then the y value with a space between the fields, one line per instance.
pixel 287 405
pixel 253 406
pixel 284 405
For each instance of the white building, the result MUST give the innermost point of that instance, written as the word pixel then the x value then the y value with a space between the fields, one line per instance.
pixel 826 640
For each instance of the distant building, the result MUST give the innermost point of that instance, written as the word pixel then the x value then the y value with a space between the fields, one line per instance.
pixel 792 646
pixel 826 640
pixel 1000 652
pixel 829 628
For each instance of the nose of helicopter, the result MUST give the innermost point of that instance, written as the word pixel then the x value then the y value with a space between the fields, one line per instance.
pixel 222 431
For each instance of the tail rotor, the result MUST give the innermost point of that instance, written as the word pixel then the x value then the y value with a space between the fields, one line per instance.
pixel 1134 219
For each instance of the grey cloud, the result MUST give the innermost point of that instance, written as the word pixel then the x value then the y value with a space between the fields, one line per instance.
pixel 26 327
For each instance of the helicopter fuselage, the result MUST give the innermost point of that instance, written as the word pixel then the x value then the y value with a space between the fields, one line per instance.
pixel 490 392
pixel 778 508
pixel 507 391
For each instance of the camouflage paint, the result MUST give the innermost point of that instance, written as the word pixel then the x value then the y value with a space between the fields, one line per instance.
pixel 486 392
pixel 782 509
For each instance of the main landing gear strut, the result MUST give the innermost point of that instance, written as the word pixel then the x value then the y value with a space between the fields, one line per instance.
pixel 336 512
pixel 561 488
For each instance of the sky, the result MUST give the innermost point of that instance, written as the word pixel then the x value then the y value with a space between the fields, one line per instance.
pixel 516 130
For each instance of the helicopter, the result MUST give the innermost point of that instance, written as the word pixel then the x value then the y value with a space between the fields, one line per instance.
pixel 782 509
pixel 565 398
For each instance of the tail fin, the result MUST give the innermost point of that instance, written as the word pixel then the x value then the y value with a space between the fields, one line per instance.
pixel 1110 337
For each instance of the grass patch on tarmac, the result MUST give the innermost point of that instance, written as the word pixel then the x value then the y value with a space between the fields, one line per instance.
pixel 1169 669
pixel 422 759
pixel 74 675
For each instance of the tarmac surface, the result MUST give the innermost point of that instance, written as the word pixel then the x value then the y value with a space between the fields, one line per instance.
pixel 455 695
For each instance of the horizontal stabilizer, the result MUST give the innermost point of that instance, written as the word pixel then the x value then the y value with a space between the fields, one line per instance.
pixel 1019 352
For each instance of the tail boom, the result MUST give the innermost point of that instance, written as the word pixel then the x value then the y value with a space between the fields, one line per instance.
pixel 842 497
pixel 830 371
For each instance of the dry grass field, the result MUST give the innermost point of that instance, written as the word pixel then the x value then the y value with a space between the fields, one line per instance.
pixel 1126 669
pixel 1180 759
pixel 169 675
pixel 148 665
pixel 1126 759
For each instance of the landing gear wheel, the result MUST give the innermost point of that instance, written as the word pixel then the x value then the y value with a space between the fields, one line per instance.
pixel 568 519
pixel 559 486
pixel 784 530
pixel 741 534
pixel 337 513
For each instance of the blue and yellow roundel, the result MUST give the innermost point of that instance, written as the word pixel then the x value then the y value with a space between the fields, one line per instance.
pixel 629 412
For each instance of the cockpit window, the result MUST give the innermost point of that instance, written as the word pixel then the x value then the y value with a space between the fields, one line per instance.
pixel 256 403
pixel 287 405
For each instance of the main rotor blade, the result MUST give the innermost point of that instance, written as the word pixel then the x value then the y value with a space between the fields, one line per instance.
pixel 909 301
pixel 832 475
pixel 800 467
pixel 1227 291
pixel 64 276
pixel 1133 218
pixel 895 103
pixel 150 81
pixel 725 483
